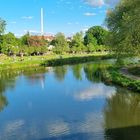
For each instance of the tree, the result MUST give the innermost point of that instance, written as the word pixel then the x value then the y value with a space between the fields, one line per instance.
pixel 60 43
pixel 96 35
pixel 9 44
pixel 25 39
pixel 90 47
pixel 2 26
pixel 90 39
pixel 77 44
pixel 124 24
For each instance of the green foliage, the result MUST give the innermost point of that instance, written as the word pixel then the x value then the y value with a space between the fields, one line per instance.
pixel 90 39
pixel 37 45
pixel 113 75
pixel 60 44
pixel 60 72
pixel 90 47
pixel 74 60
pixel 77 71
pixel 25 39
pixel 124 25
pixel 77 43
pixel 9 44
pixel 2 26
pixel 96 35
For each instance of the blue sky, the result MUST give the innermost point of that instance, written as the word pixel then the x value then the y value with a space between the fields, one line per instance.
pixel 67 16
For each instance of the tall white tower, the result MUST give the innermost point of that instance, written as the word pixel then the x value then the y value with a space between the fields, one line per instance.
pixel 42 22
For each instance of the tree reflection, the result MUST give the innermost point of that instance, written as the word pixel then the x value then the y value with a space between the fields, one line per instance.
pixel 122 116
pixel 60 72
pixel 94 71
pixel 3 102
pixel 7 80
pixel 36 75
pixel 77 71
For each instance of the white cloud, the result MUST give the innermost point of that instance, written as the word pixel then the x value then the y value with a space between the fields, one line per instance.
pixel 95 3
pixel 99 3
pixel 27 17
pixel 111 2
pixel 89 14
pixel 31 31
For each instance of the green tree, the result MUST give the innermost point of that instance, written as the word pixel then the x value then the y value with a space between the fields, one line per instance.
pixel 90 47
pixel 124 24
pixel 96 35
pixel 9 44
pixel 60 43
pixel 90 39
pixel 2 26
pixel 77 44
pixel 25 39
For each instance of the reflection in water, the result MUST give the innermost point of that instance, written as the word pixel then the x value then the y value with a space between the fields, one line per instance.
pixel 58 128
pixel 96 91
pixel 81 107
pixel 7 80
pixel 77 71
pixel 94 71
pixel 122 116
pixel 37 78
pixel 60 72
pixel 3 102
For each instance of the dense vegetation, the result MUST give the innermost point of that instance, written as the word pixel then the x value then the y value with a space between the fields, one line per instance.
pixel 124 25
pixel 27 45
pixel 113 75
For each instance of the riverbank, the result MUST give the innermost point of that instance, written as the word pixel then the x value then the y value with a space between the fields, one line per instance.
pixel 49 60
pixel 116 76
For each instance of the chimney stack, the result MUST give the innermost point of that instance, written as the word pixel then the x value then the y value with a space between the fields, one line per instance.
pixel 42 22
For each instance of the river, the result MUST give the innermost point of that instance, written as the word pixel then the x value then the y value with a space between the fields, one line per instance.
pixel 66 103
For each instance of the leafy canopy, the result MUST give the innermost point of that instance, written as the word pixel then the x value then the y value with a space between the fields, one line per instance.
pixel 124 23
pixel 77 42
pixel 60 43
pixel 96 35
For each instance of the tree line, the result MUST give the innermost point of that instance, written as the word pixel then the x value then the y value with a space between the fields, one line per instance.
pixel 92 41
pixel 122 36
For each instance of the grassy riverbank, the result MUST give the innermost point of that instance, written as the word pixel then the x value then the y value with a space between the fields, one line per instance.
pixel 113 75
pixel 48 60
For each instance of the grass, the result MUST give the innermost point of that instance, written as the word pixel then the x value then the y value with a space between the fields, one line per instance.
pixel 113 75
pixel 48 60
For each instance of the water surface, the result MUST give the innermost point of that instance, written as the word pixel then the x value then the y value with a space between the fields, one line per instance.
pixel 66 103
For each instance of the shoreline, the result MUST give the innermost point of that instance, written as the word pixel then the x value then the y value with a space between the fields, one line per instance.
pixel 49 60
pixel 110 76
pixel 115 76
